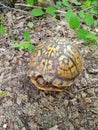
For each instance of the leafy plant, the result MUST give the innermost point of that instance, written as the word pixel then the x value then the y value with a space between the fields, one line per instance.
pixel 37 12
pixel 75 20
pixel 65 3
pixel 88 19
pixel 82 33
pixel 4 93
pixel 58 5
pixel 91 37
pixel 30 2
pixel 86 4
pixel 2 29
pixel 24 44
pixel 27 35
pixel 30 25
pixel 72 19
pixel 86 14
pixel 51 10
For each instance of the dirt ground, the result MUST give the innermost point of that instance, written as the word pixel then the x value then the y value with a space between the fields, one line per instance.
pixel 24 107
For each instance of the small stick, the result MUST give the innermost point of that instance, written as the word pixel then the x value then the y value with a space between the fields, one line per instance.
pixel 4 6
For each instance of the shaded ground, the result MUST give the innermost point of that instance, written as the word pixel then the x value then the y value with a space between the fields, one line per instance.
pixel 26 108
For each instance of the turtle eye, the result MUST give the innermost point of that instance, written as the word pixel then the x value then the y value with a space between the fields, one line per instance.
pixel 40 80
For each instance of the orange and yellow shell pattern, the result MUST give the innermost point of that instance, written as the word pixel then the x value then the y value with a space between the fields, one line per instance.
pixel 57 62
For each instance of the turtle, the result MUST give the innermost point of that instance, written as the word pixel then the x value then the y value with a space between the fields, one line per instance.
pixel 55 64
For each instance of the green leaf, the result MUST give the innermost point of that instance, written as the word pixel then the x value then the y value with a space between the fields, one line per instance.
pixel 16 45
pixel 51 10
pixel 94 2
pixel 94 11
pixel 66 3
pixel 74 22
pixel 30 25
pixel 85 35
pixel 91 36
pixel 95 23
pixel 72 19
pixel 37 12
pixel 58 5
pixel 23 45
pixel 88 19
pixel 1 19
pixel 76 2
pixel 82 33
pixel 81 14
pixel 30 47
pixel 30 2
pixel 69 14
pixel 86 4
pixel 4 93
pixel 27 35
pixel 2 29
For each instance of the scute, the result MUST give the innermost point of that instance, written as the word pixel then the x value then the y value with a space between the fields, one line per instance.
pixel 57 61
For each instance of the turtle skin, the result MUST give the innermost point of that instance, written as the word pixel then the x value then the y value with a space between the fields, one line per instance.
pixel 55 64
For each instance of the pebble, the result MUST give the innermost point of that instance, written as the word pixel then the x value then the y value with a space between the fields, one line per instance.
pixel 74 101
pixel 51 98
pixel 87 79
pixel 96 90
pixel 82 128
pixel 96 29
pixel 23 128
pixel 8 103
pixel 91 91
pixel 75 114
pixel 71 127
pixel 30 109
pixel 44 102
pixel 66 103
pixel 81 107
pixel 33 126
pixel 54 128
pixel 83 94
pixel 88 100
pixel 4 126
pixel 83 82
pixel 20 98
pixel 96 106
pixel 96 103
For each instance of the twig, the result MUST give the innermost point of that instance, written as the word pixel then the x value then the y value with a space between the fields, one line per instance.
pixel 10 8
pixel 95 112
pixel 33 6
pixel 89 7
pixel 59 11
pixel 87 88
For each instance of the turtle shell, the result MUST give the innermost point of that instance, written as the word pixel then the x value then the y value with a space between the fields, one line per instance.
pixel 55 64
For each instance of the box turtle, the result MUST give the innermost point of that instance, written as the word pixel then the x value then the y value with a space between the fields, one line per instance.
pixel 55 64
